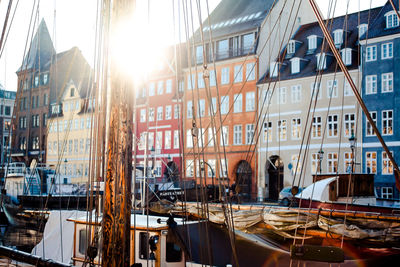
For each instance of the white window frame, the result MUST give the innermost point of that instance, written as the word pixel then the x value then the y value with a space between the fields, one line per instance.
pixel 387 192
pixel 392 20
pixel 168 112
pixel 160 111
pixel 369 131
pixel 312 42
pixel 273 69
pixel 143 115
pixel 267 132
pixel 168 86
pixel 237 134
pixel 189 109
pixel 387 166
pixel 251 71
pixel 282 95
pixel 238 105
pixel 332 162
pixel 295 65
pixel 224 104
pixel 250 101
pixel 224 135
pixel 152 89
pixel 201 108
pixel 296 128
pixel 250 134
pixel 282 130
pixel 321 61
pixel 315 163
pixel 333 125
pixel 176 139
pixel 371 84
pixel 387 82
pixel 346 56
pixel 167 139
pixel 387 122
pixel 387 50
pixel 338 37
pixel 371 53
pixel 349 124
pixel 225 75
pixel 238 74
pixel 160 87
pixel 189 138
pixel 316 127
pixel 317 86
pixel 371 161
pixel 332 88
pixel 296 93
pixel 362 28
pixel 291 47
pixel 200 80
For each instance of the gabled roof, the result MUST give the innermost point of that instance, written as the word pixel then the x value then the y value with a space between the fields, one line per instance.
pixel 70 67
pixel 40 51
pixel 350 40
pixel 237 16
pixel 378 25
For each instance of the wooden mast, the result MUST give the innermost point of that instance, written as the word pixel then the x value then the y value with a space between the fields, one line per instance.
pixel 117 200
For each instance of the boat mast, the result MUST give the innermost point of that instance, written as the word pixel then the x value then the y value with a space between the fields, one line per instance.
pixel 117 200
pixel 346 73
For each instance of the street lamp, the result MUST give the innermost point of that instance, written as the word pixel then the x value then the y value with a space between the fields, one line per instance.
pixel 352 141
pixel 320 157
pixel 65 166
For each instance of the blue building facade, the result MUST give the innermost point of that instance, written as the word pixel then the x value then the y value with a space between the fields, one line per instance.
pixel 380 66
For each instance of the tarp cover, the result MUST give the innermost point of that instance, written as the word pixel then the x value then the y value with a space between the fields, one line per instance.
pixel 58 237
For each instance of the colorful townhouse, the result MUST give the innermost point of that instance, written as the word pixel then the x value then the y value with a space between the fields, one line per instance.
pixel 159 120
pixel 380 63
pixel 7 99
pixel 308 111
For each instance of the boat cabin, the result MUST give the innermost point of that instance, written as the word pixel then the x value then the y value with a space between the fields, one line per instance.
pixel 152 242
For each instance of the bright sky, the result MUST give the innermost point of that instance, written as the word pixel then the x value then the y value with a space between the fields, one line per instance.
pixel 75 22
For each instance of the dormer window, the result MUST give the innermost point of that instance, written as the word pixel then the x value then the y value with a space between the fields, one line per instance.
pixel 321 61
pixel 346 56
pixel 392 20
pixel 72 92
pixel 295 65
pixel 312 42
pixel 291 47
pixel 362 29
pixel 338 37
pixel 273 69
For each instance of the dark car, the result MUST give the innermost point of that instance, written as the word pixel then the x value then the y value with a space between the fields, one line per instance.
pixel 286 196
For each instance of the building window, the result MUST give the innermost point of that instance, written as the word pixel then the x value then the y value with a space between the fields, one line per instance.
pixel 296 93
pixel 222 49
pixel 201 136
pixel 250 71
pixel 315 90
pixel 387 192
pixel 143 115
pixel 45 78
pixel 168 112
pixel 296 128
pixel 224 136
pixel 338 37
pixel 267 133
pixel 316 127
pixel 210 136
pixel 267 96
pixel 391 20
pixel 167 141
pixel 191 79
pixel 332 162
pixel 346 56
pixel 237 134
pixel 387 167
pixel 291 47
pixel 347 88
pixel 176 111
pixel 248 41
pixel 332 125
pixel 332 88
pixel 160 87
pixel 387 82
pixel 312 42
pixel 295 65
pixel 189 168
pixel 250 101
pixel 282 130
pixel 387 50
pixel 199 54
pixel 223 172
pixel 387 122
pixel 249 134
pixel 371 53
pixel 160 113
pixel 152 89
pixel 282 95
pixel 176 138
pixel 369 131
pixel 189 109
pixel 214 106
pixel 371 84
pixel 201 108
pixel 151 114
pixel 321 61
pixel 314 163
pixel 200 80
pixel 370 160
pixel 168 86
pixel 225 75
pixel 237 106
pixel 35 142
pixel 211 169
pixel 349 124
pixel 348 159
pixel 224 104
pixel 189 138
pixel 150 142
pixel 213 80
pixel 238 74
pixel 362 28
pixel 296 165
pixel 273 69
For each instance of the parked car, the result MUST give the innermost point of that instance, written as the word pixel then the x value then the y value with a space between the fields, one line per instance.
pixel 286 196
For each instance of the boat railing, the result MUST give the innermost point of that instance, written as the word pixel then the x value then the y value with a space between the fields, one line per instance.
pixel 15 169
